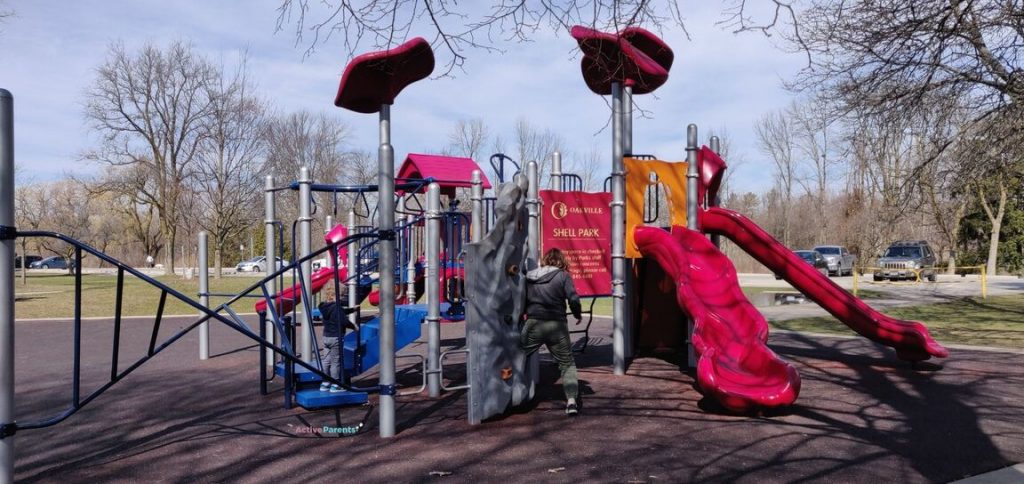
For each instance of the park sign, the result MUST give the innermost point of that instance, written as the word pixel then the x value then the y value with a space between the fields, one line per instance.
pixel 579 223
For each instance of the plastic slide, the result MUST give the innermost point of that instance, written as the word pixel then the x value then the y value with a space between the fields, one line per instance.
pixel 735 366
pixel 291 296
pixel 910 339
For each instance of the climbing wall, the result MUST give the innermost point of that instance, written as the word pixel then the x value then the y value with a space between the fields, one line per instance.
pixel 499 376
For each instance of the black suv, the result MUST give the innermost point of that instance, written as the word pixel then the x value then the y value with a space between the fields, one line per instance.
pixel 905 259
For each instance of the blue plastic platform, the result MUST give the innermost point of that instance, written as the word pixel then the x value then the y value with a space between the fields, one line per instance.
pixel 444 310
pixel 313 398
pixel 302 375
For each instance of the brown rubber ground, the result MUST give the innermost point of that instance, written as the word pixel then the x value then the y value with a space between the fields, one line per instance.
pixel 862 416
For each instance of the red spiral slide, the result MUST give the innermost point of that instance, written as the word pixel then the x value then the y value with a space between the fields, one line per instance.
pixel 735 366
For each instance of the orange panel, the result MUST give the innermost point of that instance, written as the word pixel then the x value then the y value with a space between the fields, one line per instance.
pixel 672 177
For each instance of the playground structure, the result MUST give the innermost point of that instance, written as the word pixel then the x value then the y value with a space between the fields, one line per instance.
pixel 724 337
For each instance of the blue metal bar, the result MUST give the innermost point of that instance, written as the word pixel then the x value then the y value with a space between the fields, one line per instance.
pixel 156 323
pixel 77 379
pixel 117 323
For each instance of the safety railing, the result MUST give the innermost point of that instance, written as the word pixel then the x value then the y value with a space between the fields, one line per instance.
pixel 498 165
pixel 585 331
pixel 902 275
pixel 154 347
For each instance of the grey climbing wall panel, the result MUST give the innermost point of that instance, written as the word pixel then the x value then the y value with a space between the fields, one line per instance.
pixel 499 376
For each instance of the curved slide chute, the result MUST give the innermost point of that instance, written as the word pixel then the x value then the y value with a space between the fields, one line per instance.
pixel 910 339
pixel 735 366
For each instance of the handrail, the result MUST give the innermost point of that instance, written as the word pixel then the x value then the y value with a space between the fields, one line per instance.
pixel 498 164
pixel 206 314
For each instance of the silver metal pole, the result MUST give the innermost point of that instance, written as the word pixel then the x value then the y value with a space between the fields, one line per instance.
pixel 533 211
pixel 7 283
pixel 691 218
pixel 627 121
pixel 433 282
pixel 410 272
pixel 618 237
pixel 270 250
pixel 386 227
pixel 305 247
pixel 556 171
pixel 716 146
pixel 629 281
pixel 477 198
pixel 328 225
pixel 353 265
pixel 204 293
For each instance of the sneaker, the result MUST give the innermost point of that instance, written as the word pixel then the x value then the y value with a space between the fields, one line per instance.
pixel 325 386
pixel 336 389
pixel 571 409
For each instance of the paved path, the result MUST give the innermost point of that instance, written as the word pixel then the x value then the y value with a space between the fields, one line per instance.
pixel 862 416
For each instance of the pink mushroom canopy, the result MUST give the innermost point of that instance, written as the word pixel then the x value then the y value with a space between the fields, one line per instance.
pixel 634 57
pixel 374 79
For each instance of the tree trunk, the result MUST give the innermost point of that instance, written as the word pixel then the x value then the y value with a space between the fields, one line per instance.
pixel 217 261
pixel 997 223
pixel 24 262
pixel 171 236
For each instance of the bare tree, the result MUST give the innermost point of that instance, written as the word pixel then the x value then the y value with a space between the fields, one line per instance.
pixel 151 110
pixel 128 187
pixel 467 138
pixel 69 210
pixel 891 56
pixel 536 144
pixel 776 137
pixel 812 132
pixel 228 184
pixel 456 28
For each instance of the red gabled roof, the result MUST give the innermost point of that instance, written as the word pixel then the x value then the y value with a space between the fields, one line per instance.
pixel 449 171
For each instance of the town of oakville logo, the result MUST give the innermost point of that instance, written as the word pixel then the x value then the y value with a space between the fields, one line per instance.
pixel 559 210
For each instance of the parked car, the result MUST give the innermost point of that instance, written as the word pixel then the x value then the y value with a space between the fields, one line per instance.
pixel 256 264
pixel 813 258
pixel 29 259
pixel 55 262
pixel 840 261
pixel 903 259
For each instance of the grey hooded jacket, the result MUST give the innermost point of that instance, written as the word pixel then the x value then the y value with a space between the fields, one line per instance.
pixel 547 290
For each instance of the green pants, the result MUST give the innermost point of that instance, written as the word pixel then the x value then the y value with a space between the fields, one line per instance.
pixel 554 335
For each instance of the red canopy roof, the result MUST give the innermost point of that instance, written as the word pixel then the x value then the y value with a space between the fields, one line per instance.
pixel 449 171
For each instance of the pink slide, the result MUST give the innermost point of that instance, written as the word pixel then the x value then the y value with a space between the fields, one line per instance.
pixel 910 339
pixel 735 366
pixel 291 296
pixel 286 299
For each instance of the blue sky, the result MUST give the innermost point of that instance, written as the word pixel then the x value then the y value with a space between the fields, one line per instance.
pixel 49 52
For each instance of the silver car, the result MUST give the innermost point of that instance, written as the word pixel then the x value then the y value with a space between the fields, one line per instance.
pixel 840 261
pixel 256 264
pixel 907 259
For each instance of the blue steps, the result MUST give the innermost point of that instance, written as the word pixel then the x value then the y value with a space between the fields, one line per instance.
pixel 408 320
pixel 313 398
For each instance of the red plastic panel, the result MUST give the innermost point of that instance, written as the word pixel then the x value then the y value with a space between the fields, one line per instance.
pixel 374 79
pixel 609 58
pixel 910 339
pixel 735 366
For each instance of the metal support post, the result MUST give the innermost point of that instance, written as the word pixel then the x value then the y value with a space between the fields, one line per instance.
pixel 533 211
pixel 629 281
pixel 619 322
pixel 328 225
pixel 354 273
pixel 556 171
pixel 692 184
pixel 204 294
pixel 477 198
pixel 305 247
pixel 716 146
pixel 7 286
pixel 386 228
pixel 627 121
pixel 432 246
pixel 410 272
pixel 270 251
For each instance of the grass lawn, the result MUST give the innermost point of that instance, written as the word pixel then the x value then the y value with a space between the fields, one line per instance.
pixel 53 295
pixel 996 321
pixel 603 306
